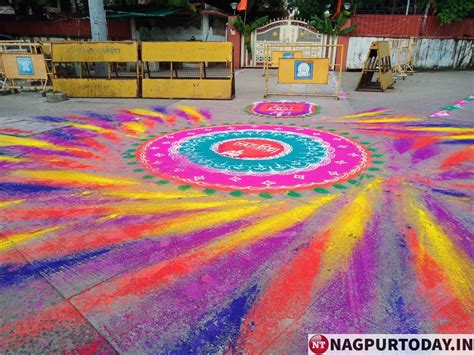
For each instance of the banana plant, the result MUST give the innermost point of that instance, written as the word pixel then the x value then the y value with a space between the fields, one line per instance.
pixel 333 28
pixel 246 30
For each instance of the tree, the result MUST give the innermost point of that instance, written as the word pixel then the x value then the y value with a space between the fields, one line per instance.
pixel 247 29
pixel 333 28
pixel 151 4
pixel 270 8
pixel 23 7
pixel 450 11
pixel 306 9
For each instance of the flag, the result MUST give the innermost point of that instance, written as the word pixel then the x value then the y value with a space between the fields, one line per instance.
pixel 242 6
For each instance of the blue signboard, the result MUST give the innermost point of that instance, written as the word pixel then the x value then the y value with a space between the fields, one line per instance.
pixel 303 70
pixel 288 55
pixel 25 65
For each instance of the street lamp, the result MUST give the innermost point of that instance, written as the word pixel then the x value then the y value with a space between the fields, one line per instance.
pixel 233 5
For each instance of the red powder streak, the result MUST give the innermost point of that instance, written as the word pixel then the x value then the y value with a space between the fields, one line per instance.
pixel 61 316
pixel 287 297
pixel 148 122
pixel 71 164
pixel 22 213
pixel 423 142
pixel 111 136
pixel 458 158
pixel 14 130
pixel 91 348
pixel 94 144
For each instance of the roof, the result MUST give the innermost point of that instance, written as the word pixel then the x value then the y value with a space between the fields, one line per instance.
pixel 151 13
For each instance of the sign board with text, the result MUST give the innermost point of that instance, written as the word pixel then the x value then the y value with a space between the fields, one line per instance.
pixel 23 66
pixel 303 70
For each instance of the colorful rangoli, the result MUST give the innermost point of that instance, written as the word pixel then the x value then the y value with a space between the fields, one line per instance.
pixel 283 109
pixel 254 157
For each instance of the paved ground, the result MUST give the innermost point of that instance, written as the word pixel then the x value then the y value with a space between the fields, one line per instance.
pixel 111 242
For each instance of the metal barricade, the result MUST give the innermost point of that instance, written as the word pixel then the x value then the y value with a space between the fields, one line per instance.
pixel 191 70
pixel 20 63
pixel 306 68
pixel 96 69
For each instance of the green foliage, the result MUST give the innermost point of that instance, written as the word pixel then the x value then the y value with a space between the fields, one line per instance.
pixel 333 28
pixel 22 7
pixel 270 8
pixel 450 11
pixel 154 4
pixel 247 29
pixel 310 8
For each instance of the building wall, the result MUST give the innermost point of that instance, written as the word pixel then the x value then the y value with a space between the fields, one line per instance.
pixel 433 53
pixel 215 32
pixel 406 26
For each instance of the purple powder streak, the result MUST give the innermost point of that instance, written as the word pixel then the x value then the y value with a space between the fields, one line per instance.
pixel 463 236
pixel 125 117
pixel 425 153
pixel 402 145
pixel 186 302
pixel 148 250
pixel 206 114
pixel 454 175
pixel 352 293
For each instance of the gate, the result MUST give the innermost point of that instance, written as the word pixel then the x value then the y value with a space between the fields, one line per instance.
pixel 280 32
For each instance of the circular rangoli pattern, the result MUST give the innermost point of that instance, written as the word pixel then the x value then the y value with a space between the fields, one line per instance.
pixel 254 157
pixel 282 109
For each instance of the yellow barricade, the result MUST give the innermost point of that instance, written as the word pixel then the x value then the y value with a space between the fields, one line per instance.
pixel 303 71
pixel 305 65
pixel 192 70
pixel 276 55
pixel 377 72
pixel 96 69
pixel 22 61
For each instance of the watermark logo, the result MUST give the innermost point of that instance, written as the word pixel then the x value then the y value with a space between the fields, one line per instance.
pixel 318 344
pixel 407 344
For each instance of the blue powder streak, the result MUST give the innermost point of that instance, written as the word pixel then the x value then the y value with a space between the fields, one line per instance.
pixel 51 119
pixel 11 275
pixel 459 141
pixel 25 188
pixel 450 193
pixel 222 330
pixel 98 116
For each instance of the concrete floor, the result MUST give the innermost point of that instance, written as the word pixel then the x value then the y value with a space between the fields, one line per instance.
pixel 98 254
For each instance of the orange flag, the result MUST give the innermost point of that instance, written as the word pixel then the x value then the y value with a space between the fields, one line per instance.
pixel 242 6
